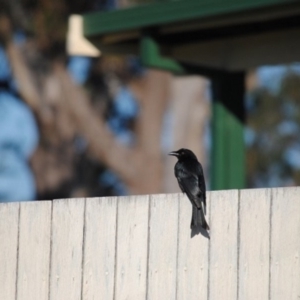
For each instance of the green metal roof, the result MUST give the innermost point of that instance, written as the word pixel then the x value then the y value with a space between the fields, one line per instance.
pixel 168 12
pixel 209 33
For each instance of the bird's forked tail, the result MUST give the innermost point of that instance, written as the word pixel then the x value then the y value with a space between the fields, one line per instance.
pixel 198 218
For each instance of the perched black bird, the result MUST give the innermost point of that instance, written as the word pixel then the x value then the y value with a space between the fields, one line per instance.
pixel 189 174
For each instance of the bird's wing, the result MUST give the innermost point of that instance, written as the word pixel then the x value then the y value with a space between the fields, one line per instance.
pixel 180 185
pixel 189 185
pixel 201 184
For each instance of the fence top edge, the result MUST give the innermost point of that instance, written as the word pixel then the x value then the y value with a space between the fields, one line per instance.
pixel 157 196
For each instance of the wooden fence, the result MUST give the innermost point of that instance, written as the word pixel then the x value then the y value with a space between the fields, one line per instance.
pixel 140 247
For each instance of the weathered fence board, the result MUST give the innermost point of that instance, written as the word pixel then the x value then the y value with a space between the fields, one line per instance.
pixel 254 227
pixel 285 244
pixel 34 251
pixel 66 249
pixel 132 246
pixel 9 224
pixel 162 263
pixel 223 245
pixel 99 248
pixel 140 247
pixel 192 270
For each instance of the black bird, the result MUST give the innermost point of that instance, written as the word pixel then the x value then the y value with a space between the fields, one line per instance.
pixel 189 174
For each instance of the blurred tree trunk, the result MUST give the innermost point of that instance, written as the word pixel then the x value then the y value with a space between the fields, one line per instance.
pixel 191 112
pixel 64 110
pixel 140 167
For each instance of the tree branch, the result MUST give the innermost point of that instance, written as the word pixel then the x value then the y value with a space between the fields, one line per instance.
pixel 23 76
pixel 101 141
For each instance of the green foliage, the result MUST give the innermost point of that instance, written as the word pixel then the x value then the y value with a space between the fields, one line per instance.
pixel 274 121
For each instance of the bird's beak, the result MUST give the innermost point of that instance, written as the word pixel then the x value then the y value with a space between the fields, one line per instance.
pixel 173 153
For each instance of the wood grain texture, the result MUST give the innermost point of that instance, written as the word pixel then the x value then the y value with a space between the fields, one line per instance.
pixel 132 247
pixel 192 269
pixel 254 244
pixel 66 250
pixel 9 224
pixel 141 248
pixel 99 248
pixel 285 244
pixel 34 250
pixel 163 247
pixel 223 245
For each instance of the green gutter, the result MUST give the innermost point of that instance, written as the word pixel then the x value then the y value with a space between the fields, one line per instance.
pixel 167 12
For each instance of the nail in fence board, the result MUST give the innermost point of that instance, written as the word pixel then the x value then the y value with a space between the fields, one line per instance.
pixel 254 227
pixel 132 244
pixel 99 248
pixel 163 247
pixel 9 224
pixel 66 249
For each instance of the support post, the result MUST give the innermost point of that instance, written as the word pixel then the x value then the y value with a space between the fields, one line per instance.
pixel 228 150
